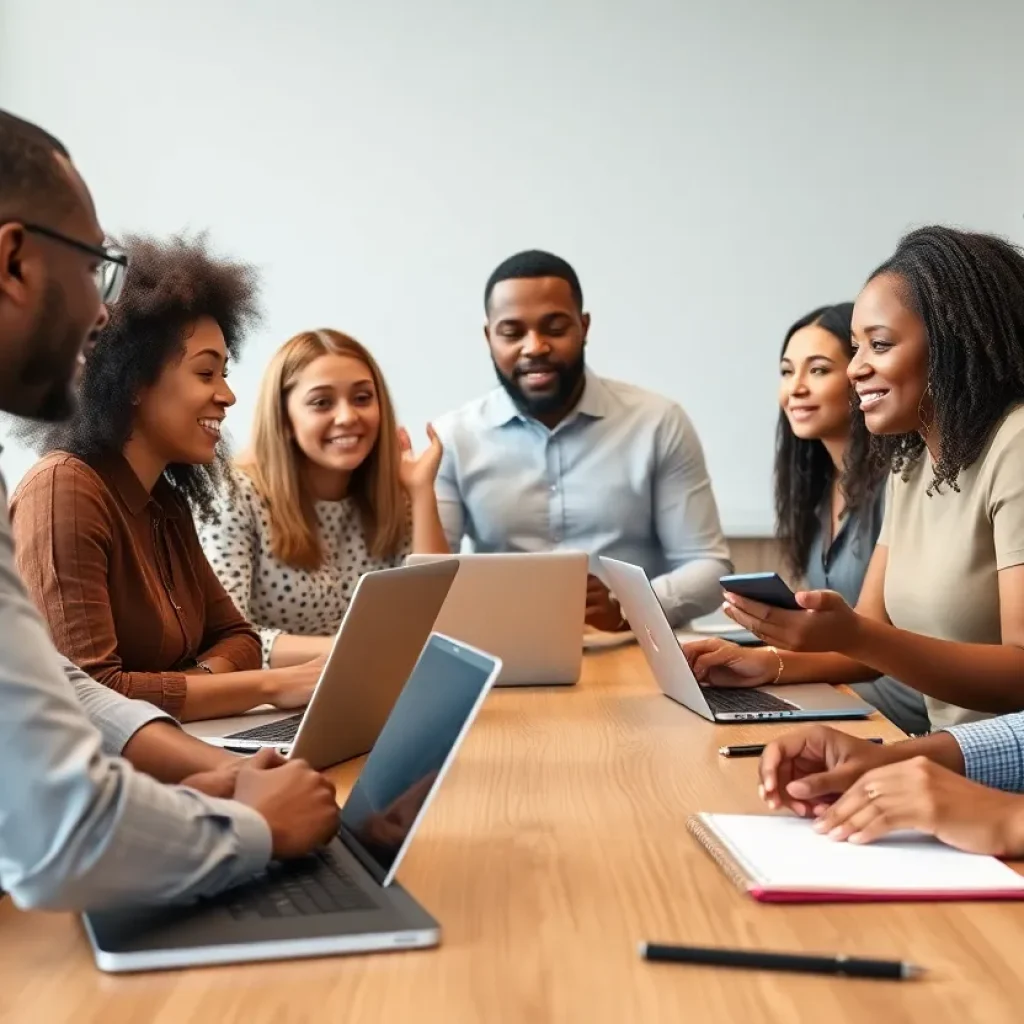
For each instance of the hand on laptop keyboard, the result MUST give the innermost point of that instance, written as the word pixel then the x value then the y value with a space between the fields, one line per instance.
pixel 293 687
pixel 297 803
pixel 220 782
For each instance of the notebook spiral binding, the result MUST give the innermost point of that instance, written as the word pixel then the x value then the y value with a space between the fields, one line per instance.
pixel 717 852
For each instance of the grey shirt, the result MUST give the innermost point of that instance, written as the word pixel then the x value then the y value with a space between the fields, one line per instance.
pixel 79 827
pixel 842 565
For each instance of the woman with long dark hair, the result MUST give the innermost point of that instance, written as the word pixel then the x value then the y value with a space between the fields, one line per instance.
pixel 938 368
pixel 829 493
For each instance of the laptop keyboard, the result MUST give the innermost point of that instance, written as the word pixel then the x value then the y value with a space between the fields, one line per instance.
pixel 318 884
pixel 282 731
pixel 725 699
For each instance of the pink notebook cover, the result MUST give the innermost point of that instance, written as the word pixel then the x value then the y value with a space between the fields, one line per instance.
pixel 887 896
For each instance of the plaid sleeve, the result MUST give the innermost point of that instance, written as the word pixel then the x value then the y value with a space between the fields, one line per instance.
pixel 993 751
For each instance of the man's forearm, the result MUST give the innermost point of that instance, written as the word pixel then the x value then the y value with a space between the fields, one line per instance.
pixel 117 717
pixel 168 754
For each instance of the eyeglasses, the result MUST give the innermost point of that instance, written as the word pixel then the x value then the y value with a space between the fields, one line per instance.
pixel 109 275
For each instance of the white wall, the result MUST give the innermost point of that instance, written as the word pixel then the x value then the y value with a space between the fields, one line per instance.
pixel 713 170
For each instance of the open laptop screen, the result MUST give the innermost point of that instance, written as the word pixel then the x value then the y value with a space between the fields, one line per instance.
pixel 413 751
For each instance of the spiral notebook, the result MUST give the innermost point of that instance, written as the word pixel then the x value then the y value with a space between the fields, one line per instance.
pixel 780 859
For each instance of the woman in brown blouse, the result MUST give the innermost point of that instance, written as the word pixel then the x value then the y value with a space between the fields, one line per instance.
pixel 103 525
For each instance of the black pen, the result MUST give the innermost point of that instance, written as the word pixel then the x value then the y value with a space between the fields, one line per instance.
pixel 757 749
pixel 803 962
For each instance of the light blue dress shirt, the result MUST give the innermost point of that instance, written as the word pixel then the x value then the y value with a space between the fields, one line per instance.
pixel 622 475
pixel 79 827
pixel 993 751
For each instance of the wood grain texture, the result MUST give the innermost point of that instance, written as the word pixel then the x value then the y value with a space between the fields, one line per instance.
pixel 557 843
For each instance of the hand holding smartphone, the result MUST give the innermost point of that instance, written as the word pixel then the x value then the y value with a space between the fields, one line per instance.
pixel 767 587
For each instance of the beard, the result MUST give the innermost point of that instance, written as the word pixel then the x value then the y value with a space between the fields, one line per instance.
pixel 52 362
pixel 569 376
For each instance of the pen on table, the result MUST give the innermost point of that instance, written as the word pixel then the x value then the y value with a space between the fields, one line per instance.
pixel 757 749
pixel 851 967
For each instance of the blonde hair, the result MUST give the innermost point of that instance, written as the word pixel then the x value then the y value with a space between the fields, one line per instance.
pixel 273 461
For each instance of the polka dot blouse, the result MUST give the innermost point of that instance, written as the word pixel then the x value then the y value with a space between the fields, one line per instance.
pixel 273 596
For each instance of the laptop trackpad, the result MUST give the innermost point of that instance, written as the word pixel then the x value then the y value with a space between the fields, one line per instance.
pixel 818 697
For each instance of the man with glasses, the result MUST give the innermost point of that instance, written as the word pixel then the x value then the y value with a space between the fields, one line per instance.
pixel 80 826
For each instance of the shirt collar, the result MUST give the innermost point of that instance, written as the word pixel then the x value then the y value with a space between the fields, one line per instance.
pixel 115 469
pixel 593 403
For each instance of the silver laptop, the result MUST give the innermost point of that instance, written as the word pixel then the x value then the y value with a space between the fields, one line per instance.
pixel 342 899
pixel 387 622
pixel 528 609
pixel 653 632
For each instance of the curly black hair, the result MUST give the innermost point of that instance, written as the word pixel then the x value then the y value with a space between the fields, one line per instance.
pixel 170 285
pixel 803 468
pixel 968 288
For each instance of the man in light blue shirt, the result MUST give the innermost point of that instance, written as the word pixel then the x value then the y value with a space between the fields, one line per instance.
pixel 557 457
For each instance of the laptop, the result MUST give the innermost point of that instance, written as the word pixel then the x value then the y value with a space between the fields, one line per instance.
pixel 342 899
pixel 671 670
pixel 528 609
pixel 385 626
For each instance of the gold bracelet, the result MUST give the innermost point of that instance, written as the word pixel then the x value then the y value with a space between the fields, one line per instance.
pixel 778 675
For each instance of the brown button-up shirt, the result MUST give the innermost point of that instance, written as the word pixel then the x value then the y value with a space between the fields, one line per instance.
pixel 121 579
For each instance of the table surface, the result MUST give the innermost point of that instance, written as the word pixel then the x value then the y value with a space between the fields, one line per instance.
pixel 557 843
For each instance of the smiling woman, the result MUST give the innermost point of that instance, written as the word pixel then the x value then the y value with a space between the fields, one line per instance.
pixel 939 372
pixel 829 494
pixel 102 525
pixel 330 490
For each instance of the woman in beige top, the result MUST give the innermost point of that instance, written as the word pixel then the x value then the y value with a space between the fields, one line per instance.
pixel 939 371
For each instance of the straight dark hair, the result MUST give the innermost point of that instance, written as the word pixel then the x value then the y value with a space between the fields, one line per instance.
pixel 803 469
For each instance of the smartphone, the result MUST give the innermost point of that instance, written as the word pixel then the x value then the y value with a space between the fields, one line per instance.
pixel 766 587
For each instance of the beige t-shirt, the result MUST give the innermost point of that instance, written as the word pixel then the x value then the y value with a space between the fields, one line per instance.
pixel 945 551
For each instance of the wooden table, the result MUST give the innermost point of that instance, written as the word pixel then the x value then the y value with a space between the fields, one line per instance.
pixel 556 844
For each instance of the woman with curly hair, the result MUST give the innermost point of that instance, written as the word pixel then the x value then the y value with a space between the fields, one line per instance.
pixel 102 525
pixel 939 374
pixel 329 490
pixel 829 495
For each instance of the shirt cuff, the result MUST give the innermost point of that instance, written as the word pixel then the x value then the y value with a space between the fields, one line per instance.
pixel 268 637
pixel 993 753
pixel 164 689
pixel 255 843
pixel 133 716
pixel 242 651
pixel 117 717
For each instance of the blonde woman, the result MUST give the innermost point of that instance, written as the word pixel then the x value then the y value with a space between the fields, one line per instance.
pixel 329 490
